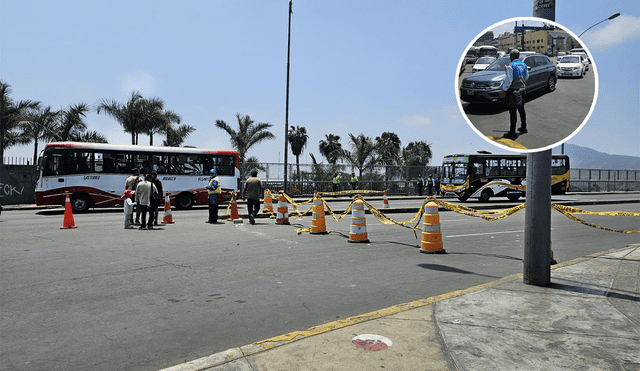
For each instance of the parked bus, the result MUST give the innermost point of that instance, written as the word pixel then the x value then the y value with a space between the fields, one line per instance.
pixel 93 174
pixel 488 175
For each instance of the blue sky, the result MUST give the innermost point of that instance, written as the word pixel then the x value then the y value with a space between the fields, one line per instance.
pixel 365 66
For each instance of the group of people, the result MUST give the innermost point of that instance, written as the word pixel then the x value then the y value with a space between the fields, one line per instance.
pixel 253 190
pixel 431 185
pixel 142 193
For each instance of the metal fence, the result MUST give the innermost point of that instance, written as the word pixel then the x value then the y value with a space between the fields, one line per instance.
pixel 604 180
pixel 17 161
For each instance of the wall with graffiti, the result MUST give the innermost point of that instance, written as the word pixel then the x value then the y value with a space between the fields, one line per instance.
pixel 17 184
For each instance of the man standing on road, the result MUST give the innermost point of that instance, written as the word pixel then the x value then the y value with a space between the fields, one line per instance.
pixel 143 197
pixel 514 86
pixel 253 189
pixel 214 190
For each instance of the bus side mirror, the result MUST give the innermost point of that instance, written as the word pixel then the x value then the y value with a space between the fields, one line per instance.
pixel 42 162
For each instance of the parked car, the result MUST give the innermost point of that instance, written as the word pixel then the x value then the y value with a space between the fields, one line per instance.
pixel 571 65
pixel 486 86
pixel 561 54
pixel 482 64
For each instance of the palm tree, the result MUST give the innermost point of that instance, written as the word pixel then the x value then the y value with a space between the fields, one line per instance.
pixel 331 148
pixel 388 149
pixel 72 122
pixel 155 119
pixel 298 140
pixel 176 136
pixel 11 114
pixel 88 137
pixel 248 134
pixel 416 155
pixel 39 125
pixel 129 115
pixel 362 154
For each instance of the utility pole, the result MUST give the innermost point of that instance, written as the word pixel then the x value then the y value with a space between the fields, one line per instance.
pixel 286 115
pixel 537 219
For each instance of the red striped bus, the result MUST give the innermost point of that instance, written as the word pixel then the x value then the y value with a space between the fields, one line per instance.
pixel 93 174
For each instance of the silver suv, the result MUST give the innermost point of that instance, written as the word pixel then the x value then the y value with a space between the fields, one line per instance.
pixel 486 86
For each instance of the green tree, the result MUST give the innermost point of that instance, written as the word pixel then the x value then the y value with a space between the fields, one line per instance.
pixel 38 125
pixel 72 123
pixel 362 154
pixel 129 115
pixel 248 134
pixel 176 136
pixel 298 140
pixel 416 155
pixel 155 119
pixel 88 137
pixel 388 149
pixel 331 148
pixel 11 113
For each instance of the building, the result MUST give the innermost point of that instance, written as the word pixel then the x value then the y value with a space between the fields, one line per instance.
pixel 540 41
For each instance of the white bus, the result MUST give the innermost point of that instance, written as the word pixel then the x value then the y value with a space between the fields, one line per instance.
pixel 93 174
pixel 487 51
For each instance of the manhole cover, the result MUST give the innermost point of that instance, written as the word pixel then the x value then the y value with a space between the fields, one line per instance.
pixel 371 342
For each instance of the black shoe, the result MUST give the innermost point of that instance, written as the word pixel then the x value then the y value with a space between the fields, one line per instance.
pixel 510 135
pixel 252 219
pixel 523 130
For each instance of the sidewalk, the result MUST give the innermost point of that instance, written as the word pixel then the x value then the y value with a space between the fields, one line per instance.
pixel 587 319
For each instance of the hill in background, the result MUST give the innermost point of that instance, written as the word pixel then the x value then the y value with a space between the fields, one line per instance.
pixel 587 158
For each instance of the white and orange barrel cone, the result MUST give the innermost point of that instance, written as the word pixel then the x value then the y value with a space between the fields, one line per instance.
pixel 431 235
pixel 385 201
pixel 68 222
pixel 268 206
pixel 282 216
pixel 358 230
pixel 168 218
pixel 233 216
pixel 318 225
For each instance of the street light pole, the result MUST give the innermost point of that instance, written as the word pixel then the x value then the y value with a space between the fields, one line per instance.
pixel 608 19
pixel 286 115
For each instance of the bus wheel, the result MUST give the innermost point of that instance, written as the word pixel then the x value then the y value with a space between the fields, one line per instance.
pixel 184 201
pixel 80 203
pixel 485 196
pixel 513 197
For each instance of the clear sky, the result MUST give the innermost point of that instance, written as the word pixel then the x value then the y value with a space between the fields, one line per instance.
pixel 361 66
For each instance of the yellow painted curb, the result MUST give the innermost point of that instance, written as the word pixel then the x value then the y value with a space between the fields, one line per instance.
pixel 507 142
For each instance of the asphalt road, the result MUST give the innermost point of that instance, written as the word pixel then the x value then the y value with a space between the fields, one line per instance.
pixel 103 298
pixel 551 117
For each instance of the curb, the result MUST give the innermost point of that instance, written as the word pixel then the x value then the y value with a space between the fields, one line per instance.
pixel 236 353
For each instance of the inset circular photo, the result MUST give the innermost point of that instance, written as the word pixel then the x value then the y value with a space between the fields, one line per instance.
pixel 526 84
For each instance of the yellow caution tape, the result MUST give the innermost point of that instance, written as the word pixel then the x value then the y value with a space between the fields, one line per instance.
pixel 481 214
pixel 568 211
pixel 507 142
pixel 359 191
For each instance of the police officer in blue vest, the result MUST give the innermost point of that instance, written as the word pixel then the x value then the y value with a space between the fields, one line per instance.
pixel 515 84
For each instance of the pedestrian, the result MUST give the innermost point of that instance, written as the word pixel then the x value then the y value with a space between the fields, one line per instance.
pixel 514 86
pixel 437 183
pixel 214 190
pixel 131 183
pixel 420 184
pixel 129 203
pixel 430 186
pixel 354 181
pixel 336 183
pixel 144 192
pixel 158 184
pixel 253 189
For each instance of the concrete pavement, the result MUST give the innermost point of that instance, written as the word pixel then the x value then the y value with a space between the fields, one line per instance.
pixel 588 318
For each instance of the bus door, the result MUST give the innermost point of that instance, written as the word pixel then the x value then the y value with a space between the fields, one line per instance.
pixel 54 169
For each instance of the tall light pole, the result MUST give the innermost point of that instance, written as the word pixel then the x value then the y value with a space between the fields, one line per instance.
pixel 608 19
pixel 286 115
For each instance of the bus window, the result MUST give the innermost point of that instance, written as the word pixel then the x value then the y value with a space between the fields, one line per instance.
pixel 522 167
pixel 558 166
pixel 193 165
pixel 491 167
pixel 508 167
pixel 478 169
pixel 54 164
pixel 224 164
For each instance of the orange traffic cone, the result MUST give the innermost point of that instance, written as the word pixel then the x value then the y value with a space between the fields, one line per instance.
pixel 282 216
pixel 234 217
pixel 318 225
pixel 268 206
pixel 385 201
pixel 431 235
pixel 168 218
pixel 68 222
pixel 358 230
